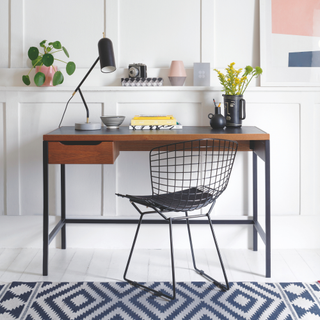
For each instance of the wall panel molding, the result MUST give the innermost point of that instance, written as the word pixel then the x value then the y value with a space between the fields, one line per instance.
pixel 296 111
pixel 190 105
pixel 12 154
pixel 112 25
pixel 207 31
pixel 4 33
pixel 144 26
pixel 3 199
pixel 16 33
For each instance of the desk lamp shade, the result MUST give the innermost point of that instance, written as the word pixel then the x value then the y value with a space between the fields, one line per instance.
pixel 106 55
pixel 107 65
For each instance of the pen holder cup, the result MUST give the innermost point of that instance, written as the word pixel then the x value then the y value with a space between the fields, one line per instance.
pixel 217 120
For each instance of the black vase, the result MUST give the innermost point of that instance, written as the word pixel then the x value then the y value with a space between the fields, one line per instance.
pixel 234 110
pixel 217 120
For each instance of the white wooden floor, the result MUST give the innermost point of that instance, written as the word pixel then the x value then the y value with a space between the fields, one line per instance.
pixel 107 265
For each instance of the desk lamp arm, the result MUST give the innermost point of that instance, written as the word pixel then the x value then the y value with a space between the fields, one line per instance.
pixel 80 92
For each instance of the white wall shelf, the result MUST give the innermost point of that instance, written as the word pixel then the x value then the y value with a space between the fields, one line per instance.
pixel 156 88
pixel 108 88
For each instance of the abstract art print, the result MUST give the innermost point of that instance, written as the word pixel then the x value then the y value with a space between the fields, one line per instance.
pixel 290 42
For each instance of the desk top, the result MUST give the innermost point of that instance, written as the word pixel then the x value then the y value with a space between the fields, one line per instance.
pixel 123 133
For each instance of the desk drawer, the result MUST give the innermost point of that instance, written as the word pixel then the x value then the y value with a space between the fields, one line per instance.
pixel 82 152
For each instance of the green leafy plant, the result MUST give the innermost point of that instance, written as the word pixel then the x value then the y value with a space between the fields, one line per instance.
pixel 47 59
pixel 234 84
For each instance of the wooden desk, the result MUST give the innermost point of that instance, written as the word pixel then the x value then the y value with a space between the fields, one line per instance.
pixel 68 146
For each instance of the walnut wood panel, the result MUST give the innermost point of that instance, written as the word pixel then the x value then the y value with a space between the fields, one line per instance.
pixel 101 153
pixel 148 145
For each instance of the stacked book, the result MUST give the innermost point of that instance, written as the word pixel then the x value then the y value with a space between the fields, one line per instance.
pixel 154 122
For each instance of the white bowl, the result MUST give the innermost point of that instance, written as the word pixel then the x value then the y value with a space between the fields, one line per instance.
pixel 112 122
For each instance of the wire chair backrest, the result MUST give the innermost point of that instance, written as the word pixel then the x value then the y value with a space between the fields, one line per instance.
pixel 192 173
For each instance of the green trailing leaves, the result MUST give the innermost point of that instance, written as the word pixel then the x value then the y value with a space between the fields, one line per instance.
pixel 39 79
pixel 56 44
pixel 26 80
pixel 57 78
pixel 71 67
pixel 48 59
pixel 33 53
pixel 37 62
pixel 42 43
pixel 65 51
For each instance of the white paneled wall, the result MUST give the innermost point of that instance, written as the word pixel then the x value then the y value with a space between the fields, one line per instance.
pixel 2 161
pixel 154 33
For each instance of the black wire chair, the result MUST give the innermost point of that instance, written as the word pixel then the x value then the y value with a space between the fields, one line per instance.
pixel 186 176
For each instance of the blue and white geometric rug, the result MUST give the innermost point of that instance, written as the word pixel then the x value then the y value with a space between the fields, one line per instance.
pixel 195 300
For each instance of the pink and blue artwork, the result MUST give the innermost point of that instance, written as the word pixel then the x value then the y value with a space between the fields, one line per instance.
pixel 298 18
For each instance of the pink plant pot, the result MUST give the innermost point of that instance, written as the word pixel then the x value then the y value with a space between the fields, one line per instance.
pixel 49 73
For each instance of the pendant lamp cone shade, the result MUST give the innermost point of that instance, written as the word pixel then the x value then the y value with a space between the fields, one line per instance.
pixel 177 74
pixel 106 55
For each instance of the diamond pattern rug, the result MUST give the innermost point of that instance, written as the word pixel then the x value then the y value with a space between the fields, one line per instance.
pixel 195 300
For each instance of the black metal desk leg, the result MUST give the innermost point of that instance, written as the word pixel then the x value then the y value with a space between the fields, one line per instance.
pixel 268 209
pixel 255 199
pixel 63 205
pixel 45 210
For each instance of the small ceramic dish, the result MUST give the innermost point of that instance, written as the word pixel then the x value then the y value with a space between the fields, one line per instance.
pixel 112 122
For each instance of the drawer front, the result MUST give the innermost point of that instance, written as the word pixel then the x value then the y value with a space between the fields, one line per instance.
pixel 81 152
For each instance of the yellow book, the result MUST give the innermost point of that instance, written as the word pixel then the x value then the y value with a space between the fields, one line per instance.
pixel 153 117
pixel 154 122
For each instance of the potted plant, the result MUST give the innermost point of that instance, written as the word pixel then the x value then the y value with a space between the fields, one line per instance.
pixel 234 86
pixel 43 62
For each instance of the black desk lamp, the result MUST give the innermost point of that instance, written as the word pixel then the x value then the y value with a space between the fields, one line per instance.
pixel 107 65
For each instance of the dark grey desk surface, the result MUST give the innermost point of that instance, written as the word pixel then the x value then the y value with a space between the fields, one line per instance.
pixel 124 133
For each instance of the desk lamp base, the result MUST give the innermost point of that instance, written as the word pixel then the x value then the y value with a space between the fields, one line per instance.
pixel 88 126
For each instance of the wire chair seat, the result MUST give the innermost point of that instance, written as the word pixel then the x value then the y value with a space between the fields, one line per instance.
pixel 185 176
pixel 180 201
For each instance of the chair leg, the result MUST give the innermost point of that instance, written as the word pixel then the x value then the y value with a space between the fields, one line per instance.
pixel 131 251
pixel 172 262
pixel 224 287
pixel 136 284
pixel 201 272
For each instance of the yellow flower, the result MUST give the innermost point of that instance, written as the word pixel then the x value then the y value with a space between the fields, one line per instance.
pixel 233 83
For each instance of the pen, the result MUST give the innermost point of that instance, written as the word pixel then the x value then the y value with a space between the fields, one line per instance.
pixel 214 101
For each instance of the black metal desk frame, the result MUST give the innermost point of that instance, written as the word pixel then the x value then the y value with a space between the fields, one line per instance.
pixel 260 148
